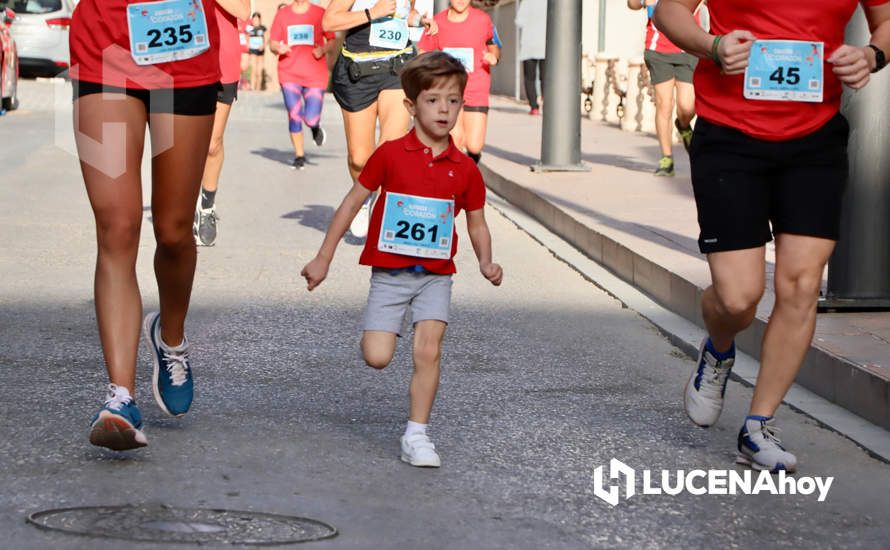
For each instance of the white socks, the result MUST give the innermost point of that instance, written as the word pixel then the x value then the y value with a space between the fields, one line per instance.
pixel 414 428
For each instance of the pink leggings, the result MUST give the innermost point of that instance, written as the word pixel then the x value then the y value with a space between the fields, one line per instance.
pixel 303 105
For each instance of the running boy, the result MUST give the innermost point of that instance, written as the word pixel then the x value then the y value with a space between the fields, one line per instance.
pixel 424 182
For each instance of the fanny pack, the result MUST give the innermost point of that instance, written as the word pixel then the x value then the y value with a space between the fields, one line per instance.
pixel 358 69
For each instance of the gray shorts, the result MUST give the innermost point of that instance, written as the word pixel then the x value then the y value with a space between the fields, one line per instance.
pixel 393 292
pixel 667 66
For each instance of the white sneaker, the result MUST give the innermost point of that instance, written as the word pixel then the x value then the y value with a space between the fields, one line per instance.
pixel 707 384
pixel 418 450
pixel 760 447
pixel 359 225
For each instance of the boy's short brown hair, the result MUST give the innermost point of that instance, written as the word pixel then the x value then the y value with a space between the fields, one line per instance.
pixel 422 72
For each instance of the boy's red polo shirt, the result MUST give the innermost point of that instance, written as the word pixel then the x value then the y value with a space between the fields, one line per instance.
pixel 406 165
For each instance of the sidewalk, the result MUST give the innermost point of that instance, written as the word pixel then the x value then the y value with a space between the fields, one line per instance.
pixel 644 229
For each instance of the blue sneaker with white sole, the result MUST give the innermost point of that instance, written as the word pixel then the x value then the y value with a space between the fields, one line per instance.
pixel 118 425
pixel 703 397
pixel 171 379
pixel 759 446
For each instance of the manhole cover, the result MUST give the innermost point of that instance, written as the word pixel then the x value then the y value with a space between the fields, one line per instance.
pixel 160 523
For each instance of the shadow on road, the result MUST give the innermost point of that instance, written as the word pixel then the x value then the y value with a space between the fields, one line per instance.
pixel 286 156
pixel 319 216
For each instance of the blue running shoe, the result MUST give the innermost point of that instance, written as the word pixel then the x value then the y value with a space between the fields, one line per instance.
pixel 118 425
pixel 760 447
pixel 171 380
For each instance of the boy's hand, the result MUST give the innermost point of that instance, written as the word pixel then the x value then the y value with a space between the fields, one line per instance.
pixel 492 272
pixel 283 48
pixel 490 58
pixel 315 272
pixel 318 52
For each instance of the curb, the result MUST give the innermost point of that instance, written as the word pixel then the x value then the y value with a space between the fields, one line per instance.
pixel 851 386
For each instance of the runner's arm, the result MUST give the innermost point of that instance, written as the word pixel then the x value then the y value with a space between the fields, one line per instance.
pixel 480 236
pixel 676 19
pixel 879 24
pixel 316 270
pixel 238 8
pixel 338 17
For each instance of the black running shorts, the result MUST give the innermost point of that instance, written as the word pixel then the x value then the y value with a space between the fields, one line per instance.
pixel 227 93
pixel 743 185
pixel 199 101
pixel 356 95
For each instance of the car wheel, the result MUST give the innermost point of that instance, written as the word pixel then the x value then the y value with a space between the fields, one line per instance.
pixel 11 103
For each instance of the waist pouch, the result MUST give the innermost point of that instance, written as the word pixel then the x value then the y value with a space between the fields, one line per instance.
pixel 393 65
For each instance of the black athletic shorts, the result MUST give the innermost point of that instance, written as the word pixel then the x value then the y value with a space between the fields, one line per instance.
pixel 354 94
pixel 743 184
pixel 197 101
pixel 666 66
pixel 228 93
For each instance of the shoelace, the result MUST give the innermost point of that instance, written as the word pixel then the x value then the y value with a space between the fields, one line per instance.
pixel 713 378
pixel 177 365
pixel 211 215
pixel 116 397
pixel 770 432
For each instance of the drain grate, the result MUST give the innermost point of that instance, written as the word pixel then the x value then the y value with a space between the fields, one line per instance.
pixel 161 523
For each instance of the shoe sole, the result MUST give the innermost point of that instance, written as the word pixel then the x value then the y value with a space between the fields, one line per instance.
pixel 115 433
pixel 146 333
pixel 407 459
pixel 745 460
pixel 324 139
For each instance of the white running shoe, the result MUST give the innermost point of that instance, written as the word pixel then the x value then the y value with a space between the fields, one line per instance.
pixel 760 447
pixel 706 386
pixel 359 225
pixel 418 450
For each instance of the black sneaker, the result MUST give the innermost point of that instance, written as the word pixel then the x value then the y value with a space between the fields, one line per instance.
pixel 299 163
pixel 685 134
pixel 204 226
pixel 319 136
pixel 665 167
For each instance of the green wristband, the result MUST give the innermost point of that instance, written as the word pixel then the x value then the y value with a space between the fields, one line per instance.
pixel 714 45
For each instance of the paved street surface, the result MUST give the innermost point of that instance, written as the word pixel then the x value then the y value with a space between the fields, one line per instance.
pixel 544 379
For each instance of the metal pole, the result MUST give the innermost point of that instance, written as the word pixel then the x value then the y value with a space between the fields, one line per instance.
pixel 601 27
pixel 561 135
pixel 859 270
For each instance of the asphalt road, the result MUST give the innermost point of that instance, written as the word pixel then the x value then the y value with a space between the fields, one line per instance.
pixel 544 379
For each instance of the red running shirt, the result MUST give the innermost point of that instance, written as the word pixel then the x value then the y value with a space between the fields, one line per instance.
pixel 407 166
pixel 300 66
pixel 719 99
pixel 655 40
pixel 100 50
pixel 229 47
pixel 474 33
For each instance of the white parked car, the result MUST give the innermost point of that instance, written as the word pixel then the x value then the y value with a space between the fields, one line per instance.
pixel 41 34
